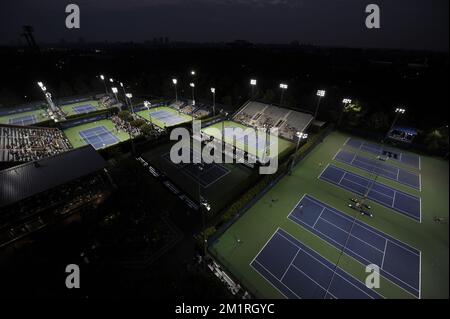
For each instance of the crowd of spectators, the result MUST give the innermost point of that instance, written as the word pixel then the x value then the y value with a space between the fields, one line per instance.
pixel 125 126
pixel 44 209
pixel 20 144
pixel 289 122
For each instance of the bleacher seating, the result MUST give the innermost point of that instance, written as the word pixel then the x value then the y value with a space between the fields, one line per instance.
pixel 24 144
pixel 289 122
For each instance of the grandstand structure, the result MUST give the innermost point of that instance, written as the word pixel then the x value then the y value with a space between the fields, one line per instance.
pixel 25 143
pixel 39 194
pixel 196 111
pixel 288 122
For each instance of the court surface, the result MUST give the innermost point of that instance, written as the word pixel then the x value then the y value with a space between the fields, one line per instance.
pixel 168 118
pixel 23 120
pixel 398 262
pixel 408 159
pixel 205 174
pixel 259 143
pixel 401 202
pixel 299 272
pixel 81 109
pixel 99 137
pixel 378 167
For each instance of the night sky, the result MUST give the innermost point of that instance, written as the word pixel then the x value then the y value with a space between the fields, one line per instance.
pixel 407 24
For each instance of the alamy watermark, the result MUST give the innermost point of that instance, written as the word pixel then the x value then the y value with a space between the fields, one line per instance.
pixel 372 20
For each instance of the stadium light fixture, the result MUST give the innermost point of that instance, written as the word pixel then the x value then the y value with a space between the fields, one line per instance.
pixel 175 82
pixel 345 101
pixel 398 111
pixel 111 80
pixel 253 83
pixel 283 87
pixel 102 77
pixel 321 94
pixel 115 91
pixel 192 85
pixel 193 73
pixel 300 136
pixel 129 96
pixel 213 91
pixel 40 84
pixel 121 84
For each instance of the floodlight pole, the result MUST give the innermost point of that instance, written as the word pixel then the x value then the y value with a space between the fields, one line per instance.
pixel 102 77
pixel 253 83
pixel 321 94
pixel 283 87
pixel 193 93
pixel 345 102
pixel 300 137
pixel 213 91
pixel 175 82
pixel 398 112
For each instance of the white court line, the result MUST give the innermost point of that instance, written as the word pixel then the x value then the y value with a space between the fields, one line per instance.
pixel 333 271
pixel 364 259
pixel 290 264
pixel 420 275
pixel 384 254
pixel 398 210
pixel 265 278
pixel 346 141
pixel 323 209
pixel 381 234
pixel 351 235
pixel 314 281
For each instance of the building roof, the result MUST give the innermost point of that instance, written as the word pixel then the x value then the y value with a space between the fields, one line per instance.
pixel 23 181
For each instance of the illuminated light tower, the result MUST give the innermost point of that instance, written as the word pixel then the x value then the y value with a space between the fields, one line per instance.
pixel 175 82
pixel 48 97
pixel 115 91
pixel 398 111
pixel 213 91
pixel 253 84
pixel 102 77
pixel 129 96
pixel 192 85
pixel 345 102
pixel 320 94
pixel 205 208
pixel 148 105
pixel 123 88
pixel 283 88
pixel 300 136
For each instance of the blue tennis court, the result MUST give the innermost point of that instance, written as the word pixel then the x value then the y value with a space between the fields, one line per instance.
pixel 81 109
pixel 299 272
pixel 204 174
pixel 99 137
pixel 401 202
pixel 406 158
pixel 398 262
pixel 378 167
pixel 23 120
pixel 168 118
